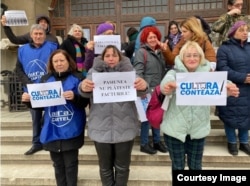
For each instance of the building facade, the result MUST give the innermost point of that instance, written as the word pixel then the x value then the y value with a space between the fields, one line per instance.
pixel 90 13
pixel 127 13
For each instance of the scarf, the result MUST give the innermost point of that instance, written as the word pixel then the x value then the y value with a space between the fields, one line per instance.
pixel 175 39
pixel 80 61
pixel 133 36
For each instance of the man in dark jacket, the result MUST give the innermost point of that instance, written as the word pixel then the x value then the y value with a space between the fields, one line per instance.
pixel 42 20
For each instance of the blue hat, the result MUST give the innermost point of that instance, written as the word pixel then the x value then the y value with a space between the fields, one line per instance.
pixel 147 21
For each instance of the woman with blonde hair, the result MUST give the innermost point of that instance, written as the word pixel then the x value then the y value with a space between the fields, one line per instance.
pixel 74 44
pixel 191 31
pixel 185 138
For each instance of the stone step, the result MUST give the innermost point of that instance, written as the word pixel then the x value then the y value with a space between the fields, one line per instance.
pixel 43 175
pixel 34 175
pixel 25 125
pixel 24 136
pixel 22 121
pixel 214 156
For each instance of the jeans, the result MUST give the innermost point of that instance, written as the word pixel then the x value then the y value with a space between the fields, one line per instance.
pixel 145 126
pixel 66 167
pixel 114 162
pixel 232 137
pixel 36 115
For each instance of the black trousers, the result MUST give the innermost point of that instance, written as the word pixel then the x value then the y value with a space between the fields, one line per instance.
pixel 114 162
pixel 66 167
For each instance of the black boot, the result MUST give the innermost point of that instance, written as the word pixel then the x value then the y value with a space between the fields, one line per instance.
pixel 245 147
pixel 148 149
pixel 232 148
pixel 160 147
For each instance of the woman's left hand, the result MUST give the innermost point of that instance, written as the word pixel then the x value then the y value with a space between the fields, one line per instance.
pixel 68 95
pixel 232 90
pixel 140 84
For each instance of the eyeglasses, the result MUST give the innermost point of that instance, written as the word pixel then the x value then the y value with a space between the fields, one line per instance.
pixel 192 55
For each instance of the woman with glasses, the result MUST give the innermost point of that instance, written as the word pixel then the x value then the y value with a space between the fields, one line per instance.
pixel 225 21
pixel 182 135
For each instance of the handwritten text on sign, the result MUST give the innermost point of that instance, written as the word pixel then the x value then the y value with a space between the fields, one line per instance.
pixel 114 87
pixel 101 41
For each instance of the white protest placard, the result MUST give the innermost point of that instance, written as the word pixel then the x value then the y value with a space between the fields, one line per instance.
pixel 16 18
pixel 201 88
pixel 101 41
pixel 141 110
pixel 46 94
pixel 114 87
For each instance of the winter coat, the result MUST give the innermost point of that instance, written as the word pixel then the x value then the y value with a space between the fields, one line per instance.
pixel 224 23
pixel 111 122
pixel 70 134
pixel 170 40
pixel 128 49
pixel 180 121
pixel 150 65
pixel 234 58
pixel 68 45
pixel 205 44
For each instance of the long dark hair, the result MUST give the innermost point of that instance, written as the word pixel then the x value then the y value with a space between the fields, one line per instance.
pixel 173 23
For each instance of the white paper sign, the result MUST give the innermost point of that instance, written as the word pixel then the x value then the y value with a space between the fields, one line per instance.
pixel 141 110
pixel 201 88
pixel 16 18
pixel 114 87
pixel 101 41
pixel 46 94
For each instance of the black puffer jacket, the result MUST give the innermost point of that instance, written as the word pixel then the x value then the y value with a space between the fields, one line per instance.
pixel 68 45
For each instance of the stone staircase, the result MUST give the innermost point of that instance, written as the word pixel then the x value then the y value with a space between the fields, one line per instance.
pixel 146 170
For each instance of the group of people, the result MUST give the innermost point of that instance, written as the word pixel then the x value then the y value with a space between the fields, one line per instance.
pixel 114 126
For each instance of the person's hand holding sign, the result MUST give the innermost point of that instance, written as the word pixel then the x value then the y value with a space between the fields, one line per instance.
pixel 87 85
pixel 140 84
pixel 25 97
pixel 169 87
pixel 68 95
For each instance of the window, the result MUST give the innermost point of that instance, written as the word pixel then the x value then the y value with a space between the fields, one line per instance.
pixel 190 5
pixel 92 7
pixel 60 33
pixel 142 6
pixel 59 9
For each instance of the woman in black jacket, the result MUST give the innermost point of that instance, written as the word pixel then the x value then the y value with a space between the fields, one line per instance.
pixel 74 44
